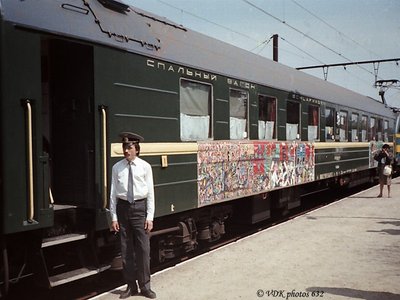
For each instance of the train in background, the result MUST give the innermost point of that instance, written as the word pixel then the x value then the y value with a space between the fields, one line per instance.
pixel 229 134
pixel 396 150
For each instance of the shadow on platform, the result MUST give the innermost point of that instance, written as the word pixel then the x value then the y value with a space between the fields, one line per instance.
pixel 356 294
pixel 387 231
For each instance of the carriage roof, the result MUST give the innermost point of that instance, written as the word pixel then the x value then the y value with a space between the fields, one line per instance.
pixel 141 32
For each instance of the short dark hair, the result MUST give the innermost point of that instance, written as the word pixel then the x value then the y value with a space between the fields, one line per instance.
pixel 385 146
pixel 130 146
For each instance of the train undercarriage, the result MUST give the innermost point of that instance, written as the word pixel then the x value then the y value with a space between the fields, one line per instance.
pixel 70 250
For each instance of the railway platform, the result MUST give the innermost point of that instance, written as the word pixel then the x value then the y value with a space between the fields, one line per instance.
pixel 349 249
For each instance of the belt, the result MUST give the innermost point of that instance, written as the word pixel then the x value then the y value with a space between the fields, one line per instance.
pixel 137 200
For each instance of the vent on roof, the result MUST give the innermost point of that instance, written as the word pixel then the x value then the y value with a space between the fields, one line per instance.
pixel 115 5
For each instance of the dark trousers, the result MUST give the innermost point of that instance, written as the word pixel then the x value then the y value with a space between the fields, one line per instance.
pixel 135 243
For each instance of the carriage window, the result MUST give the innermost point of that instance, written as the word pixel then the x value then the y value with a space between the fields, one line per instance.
pixel 330 124
pixel 238 114
pixel 195 106
pixel 364 128
pixel 354 127
pixel 293 120
pixel 343 133
pixel 397 126
pixel 379 130
pixel 386 131
pixel 313 122
pixel 372 129
pixel 266 117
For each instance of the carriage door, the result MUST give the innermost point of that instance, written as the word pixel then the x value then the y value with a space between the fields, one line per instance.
pixel 67 82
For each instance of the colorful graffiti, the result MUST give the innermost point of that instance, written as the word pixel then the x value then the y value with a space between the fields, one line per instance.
pixel 229 169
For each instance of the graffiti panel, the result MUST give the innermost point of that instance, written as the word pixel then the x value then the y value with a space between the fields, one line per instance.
pixel 233 169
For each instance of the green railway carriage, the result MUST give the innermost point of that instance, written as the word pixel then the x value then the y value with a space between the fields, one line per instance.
pixel 226 131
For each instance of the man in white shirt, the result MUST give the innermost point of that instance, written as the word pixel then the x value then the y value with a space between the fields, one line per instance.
pixel 132 213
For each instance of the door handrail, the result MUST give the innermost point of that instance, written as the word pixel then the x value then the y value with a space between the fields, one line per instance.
pixel 104 160
pixel 31 202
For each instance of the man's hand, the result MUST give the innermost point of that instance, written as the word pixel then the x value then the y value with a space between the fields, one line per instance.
pixel 148 226
pixel 115 226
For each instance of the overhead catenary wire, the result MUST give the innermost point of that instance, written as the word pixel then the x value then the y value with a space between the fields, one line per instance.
pixel 263 43
pixel 302 33
pixel 325 67
pixel 259 44
pixel 208 21
pixel 334 28
pixel 301 50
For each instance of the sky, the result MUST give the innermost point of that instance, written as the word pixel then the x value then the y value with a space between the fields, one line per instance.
pixel 311 32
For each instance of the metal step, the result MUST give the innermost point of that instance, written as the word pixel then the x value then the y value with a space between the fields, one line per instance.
pixel 62 239
pixel 75 275
pixel 63 206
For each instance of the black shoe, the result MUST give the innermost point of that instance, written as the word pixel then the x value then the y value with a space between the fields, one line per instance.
pixel 148 294
pixel 129 292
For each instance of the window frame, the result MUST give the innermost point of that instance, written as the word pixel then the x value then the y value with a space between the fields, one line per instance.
pixel 356 138
pixel 372 133
pixel 333 110
pixel 386 131
pixel 379 127
pixel 366 128
pixel 318 121
pixel 341 114
pixel 298 135
pixel 275 133
pixel 210 108
pixel 247 110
